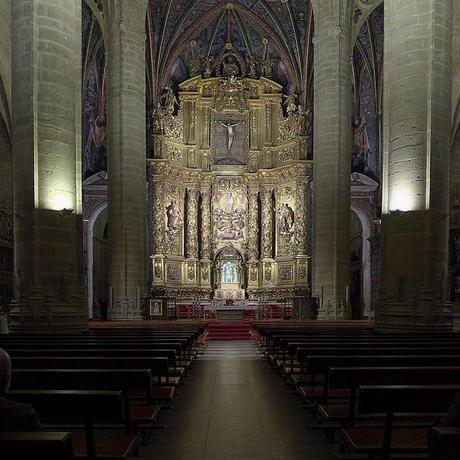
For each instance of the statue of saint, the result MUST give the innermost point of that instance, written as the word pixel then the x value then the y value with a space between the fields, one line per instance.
pixel 173 216
pixel 230 132
pixel 169 100
pixel 290 102
pixel 287 218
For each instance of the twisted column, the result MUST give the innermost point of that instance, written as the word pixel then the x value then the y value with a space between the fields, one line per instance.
pixel 206 237
pixel 191 247
pixel 267 223
pixel 253 219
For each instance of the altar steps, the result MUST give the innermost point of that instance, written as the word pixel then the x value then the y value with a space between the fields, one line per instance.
pixel 229 331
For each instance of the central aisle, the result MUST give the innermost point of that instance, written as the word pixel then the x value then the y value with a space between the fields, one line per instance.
pixel 235 407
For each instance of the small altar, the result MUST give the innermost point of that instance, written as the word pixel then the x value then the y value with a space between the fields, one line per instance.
pixel 230 315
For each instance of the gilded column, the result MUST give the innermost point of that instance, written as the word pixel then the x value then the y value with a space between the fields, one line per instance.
pixel 253 219
pixel 158 213
pixel 191 248
pixel 301 215
pixel 267 222
pixel 206 223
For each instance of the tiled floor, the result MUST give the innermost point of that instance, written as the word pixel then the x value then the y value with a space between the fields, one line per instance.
pixel 234 407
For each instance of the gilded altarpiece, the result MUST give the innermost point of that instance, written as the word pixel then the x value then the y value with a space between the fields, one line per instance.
pixel 229 186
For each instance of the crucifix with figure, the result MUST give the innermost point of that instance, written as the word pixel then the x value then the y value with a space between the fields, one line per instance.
pixel 230 132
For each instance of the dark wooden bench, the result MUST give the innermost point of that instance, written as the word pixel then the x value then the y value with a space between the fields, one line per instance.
pixel 351 378
pixel 391 399
pixel 133 382
pixel 28 446
pixel 319 365
pixel 170 354
pixel 445 443
pixel 87 410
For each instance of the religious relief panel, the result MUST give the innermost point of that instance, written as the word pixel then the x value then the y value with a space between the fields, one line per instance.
pixel 229 211
pixel 285 221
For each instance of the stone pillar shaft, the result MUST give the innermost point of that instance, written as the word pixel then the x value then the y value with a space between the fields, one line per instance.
pixel 47 164
pixel 126 162
pixel 417 108
pixel 332 153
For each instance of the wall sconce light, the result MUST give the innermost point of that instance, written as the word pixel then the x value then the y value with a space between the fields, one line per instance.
pixel 397 212
pixel 65 212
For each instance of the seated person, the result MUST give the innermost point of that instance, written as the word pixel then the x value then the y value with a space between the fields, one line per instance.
pixel 453 416
pixel 14 416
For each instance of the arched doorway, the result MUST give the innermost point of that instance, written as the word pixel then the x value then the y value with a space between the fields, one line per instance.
pixel 98 260
pixel 356 272
pixel 360 264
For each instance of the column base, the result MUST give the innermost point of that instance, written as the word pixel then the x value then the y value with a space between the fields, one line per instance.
pixel 124 309
pixel 425 316
pixel 34 316
pixel 334 311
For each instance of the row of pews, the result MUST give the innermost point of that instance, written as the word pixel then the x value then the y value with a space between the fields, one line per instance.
pixel 101 393
pixel 382 394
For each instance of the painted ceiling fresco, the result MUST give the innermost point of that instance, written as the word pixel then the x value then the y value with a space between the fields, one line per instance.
pixel 182 34
pixel 368 96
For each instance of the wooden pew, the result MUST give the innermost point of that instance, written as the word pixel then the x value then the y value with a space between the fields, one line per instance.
pixel 386 439
pixel 319 365
pixel 170 354
pixel 351 378
pixel 86 410
pixel 135 383
pixel 163 388
pixel 445 443
pixel 27 446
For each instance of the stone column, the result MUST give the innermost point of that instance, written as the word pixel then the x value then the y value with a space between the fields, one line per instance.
pixel 417 110
pixel 206 237
pixel 332 154
pixel 191 238
pixel 253 220
pixel 46 101
pixel 126 155
pixel 266 199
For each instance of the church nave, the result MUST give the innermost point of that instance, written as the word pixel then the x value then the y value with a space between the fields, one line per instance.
pixel 235 408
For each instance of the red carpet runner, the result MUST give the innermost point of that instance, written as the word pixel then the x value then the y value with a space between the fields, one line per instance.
pixel 228 331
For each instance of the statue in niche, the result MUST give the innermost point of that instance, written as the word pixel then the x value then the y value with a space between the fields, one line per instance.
pixel 286 218
pixel 174 221
pixel 230 132
pixel 252 67
pixel 169 101
pixel 208 67
pixel 291 102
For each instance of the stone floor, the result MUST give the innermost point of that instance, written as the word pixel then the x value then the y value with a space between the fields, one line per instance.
pixel 235 407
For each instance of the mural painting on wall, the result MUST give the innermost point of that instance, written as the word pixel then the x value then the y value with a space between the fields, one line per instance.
pixel 367 96
pixel 229 211
pixel 94 92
